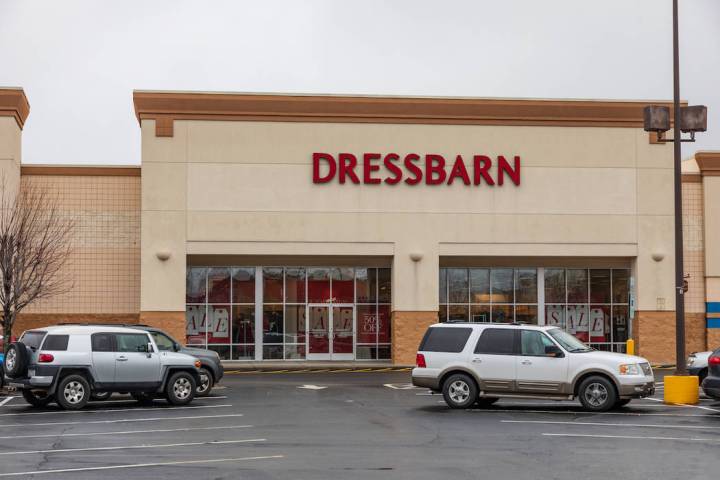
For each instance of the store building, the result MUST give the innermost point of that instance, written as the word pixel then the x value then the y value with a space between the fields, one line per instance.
pixel 288 227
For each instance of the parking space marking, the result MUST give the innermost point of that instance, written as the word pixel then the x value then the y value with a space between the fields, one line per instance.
pixel 121 420
pixel 608 424
pixel 400 386
pixel 580 412
pixel 6 401
pixel 132 447
pixel 126 432
pixel 130 399
pixel 631 437
pixel 110 410
pixel 141 465
pixel 685 405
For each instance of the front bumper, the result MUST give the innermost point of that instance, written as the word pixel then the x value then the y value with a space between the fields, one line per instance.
pixel 637 390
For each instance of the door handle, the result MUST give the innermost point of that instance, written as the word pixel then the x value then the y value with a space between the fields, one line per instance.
pixel 477 360
pixel 526 362
pixel 121 359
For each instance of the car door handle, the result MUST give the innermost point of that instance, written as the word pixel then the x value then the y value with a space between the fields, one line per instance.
pixel 477 360
pixel 526 362
pixel 121 359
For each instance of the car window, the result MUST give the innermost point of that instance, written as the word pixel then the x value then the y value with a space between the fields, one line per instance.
pixel 131 342
pixel 102 342
pixel 449 340
pixel 533 342
pixel 33 339
pixel 56 343
pixel 496 341
pixel 164 343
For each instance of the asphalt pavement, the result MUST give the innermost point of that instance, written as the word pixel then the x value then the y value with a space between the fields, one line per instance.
pixel 348 425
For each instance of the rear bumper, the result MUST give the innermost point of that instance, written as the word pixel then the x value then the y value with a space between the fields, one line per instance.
pixel 30 382
pixel 711 387
pixel 695 370
pixel 425 381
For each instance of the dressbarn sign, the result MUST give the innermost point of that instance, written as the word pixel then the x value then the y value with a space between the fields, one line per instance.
pixel 414 169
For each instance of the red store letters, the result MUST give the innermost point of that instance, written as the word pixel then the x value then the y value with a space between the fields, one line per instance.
pixel 412 169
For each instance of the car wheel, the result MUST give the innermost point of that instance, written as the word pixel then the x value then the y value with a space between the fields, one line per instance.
pixel 597 394
pixel 206 383
pixel 16 360
pixel 143 398
pixel 37 398
pixel 460 391
pixel 101 396
pixel 622 402
pixel 73 392
pixel 485 401
pixel 180 388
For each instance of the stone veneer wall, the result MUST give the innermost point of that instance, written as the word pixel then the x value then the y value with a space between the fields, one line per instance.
pixel 655 335
pixel 105 263
pixel 408 329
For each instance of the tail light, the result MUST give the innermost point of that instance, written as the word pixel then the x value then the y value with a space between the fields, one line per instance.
pixel 714 360
pixel 45 358
pixel 420 361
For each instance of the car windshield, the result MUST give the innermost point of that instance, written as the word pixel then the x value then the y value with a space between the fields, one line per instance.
pixel 569 342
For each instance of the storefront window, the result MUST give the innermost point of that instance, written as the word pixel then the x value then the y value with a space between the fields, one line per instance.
pixel 218 285
pixel 243 285
pixel 372 337
pixel 318 285
pixel 195 285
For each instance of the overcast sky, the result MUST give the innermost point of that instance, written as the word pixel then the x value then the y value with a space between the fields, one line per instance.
pixel 79 60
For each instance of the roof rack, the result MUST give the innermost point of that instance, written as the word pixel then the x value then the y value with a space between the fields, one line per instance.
pixel 488 323
pixel 101 324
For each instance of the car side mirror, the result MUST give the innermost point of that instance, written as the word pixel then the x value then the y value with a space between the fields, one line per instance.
pixel 176 347
pixel 553 351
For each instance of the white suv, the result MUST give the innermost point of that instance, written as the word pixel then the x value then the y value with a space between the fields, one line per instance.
pixel 70 364
pixel 478 363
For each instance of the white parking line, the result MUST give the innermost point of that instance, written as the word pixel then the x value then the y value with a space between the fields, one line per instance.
pixel 686 405
pixel 125 432
pixel 579 412
pixel 631 437
pixel 111 410
pixel 130 399
pixel 6 401
pixel 122 420
pixel 140 465
pixel 607 424
pixel 131 447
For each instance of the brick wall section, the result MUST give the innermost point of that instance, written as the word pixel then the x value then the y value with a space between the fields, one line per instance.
pixel 408 329
pixel 105 262
pixel 713 338
pixel 655 335
pixel 27 321
pixel 170 322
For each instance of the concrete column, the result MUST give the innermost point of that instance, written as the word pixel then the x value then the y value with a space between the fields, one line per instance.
pixel 163 229
pixel 415 275
pixel 709 164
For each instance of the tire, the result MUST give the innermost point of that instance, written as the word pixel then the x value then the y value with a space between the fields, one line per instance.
pixel 73 392
pixel 622 402
pixel 206 383
pixel 16 360
pixel 40 399
pixel 597 394
pixel 101 396
pixel 143 398
pixel 485 402
pixel 180 388
pixel 460 391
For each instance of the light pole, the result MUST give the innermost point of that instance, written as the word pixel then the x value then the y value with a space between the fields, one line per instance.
pixel 685 119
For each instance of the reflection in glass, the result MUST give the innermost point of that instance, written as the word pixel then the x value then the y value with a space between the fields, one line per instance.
pixel 525 285
pixel 442 293
pixel 555 315
pixel 555 285
pixel 342 330
pixel 243 352
pixel 243 324
pixel 294 352
pixel 243 285
pixel 458 313
pixel 479 285
pixel 600 286
pixel 621 323
pixel 318 330
pixel 318 286
pixel 366 324
pixel 599 323
pixel 384 285
pixel 222 350
pixel 294 285
pixel 272 352
pixel 457 285
pixel 195 324
pixel 218 324
pixel 195 286
pixel 295 323
pixel 503 313
pixel 577 285
pixel 480 313
pixel 620 285
pixel 343 285
pixel 272 323
pixel 501 281
pixel 526 314
pixel 219 285
pixel 366 284
pixel 272 284
pixel 442 313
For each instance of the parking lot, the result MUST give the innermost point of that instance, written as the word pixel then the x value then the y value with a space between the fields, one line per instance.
pixel 355 425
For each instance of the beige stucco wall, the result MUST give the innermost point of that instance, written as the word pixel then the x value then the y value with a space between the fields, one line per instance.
pixel 10 154
pixel 105 262
pixel 245 188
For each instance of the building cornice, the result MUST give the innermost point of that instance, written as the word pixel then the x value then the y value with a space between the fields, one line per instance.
pixel 165 107
pixel 709 163
pixel 14 103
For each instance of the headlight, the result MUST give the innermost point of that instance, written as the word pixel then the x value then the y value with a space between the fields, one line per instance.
pixel 629 369
pixel 691 360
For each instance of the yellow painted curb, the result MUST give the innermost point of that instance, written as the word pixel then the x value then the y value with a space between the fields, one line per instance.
pixel 681 389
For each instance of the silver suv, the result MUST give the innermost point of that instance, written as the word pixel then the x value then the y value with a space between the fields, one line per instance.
pixel 479 363
pixel 69 364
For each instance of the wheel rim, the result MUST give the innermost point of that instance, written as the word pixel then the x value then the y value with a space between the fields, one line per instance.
pixel 459 391
pixel 596 394
pixel 11 359
pixel 182 388
pixel 204 383
pixel 74 392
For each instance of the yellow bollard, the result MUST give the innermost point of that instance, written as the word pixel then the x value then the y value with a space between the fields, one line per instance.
pixel 681 389
pixel 630 347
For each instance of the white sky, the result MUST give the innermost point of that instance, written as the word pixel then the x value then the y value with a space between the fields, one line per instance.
pixel 79 60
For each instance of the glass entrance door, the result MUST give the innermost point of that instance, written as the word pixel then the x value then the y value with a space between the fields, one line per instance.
pixel 331 332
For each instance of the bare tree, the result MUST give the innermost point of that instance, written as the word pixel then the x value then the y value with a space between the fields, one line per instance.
pixel 35 244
